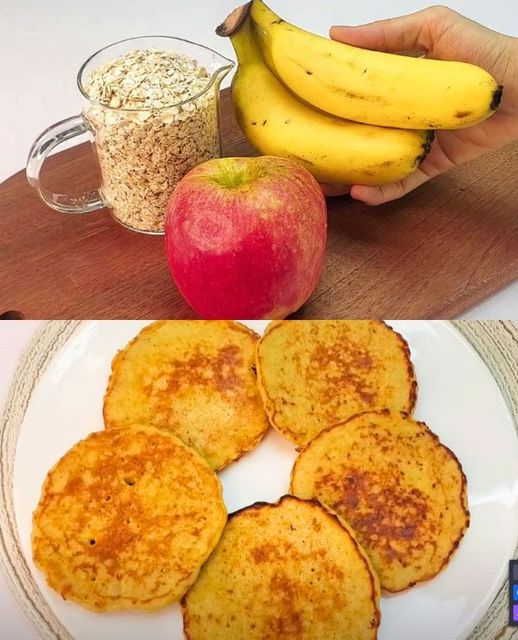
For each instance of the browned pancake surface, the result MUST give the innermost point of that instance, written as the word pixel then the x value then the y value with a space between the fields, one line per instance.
pixel 402 492
pixel 287 570
pixel 315 373
pixel 126 519
pixel 195 379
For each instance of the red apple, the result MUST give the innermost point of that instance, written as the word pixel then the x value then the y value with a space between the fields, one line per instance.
pixel 246 237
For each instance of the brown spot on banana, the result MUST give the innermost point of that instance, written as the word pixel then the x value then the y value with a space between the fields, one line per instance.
pixel 463 114
pixel 497 98
pixel 301 159
pixel 301 66
pixel 358 96
pixel 426 146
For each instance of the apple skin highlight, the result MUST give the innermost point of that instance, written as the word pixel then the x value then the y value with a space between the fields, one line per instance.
pixel 246 237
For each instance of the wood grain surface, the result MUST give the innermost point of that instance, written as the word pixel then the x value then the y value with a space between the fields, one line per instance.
pixel 433 254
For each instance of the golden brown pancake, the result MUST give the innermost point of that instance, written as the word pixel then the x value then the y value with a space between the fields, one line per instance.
pixel 402 492
pixel 315 373
pixel 195 379
pixel 125 520
pixel 287 571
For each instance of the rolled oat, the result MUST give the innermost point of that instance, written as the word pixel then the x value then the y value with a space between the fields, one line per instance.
pixel 145 145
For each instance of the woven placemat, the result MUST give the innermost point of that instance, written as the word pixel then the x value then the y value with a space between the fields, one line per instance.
pixel 495 341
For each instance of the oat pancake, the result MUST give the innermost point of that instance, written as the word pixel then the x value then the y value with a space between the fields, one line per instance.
pixel 286 571
pixel 402 492
pixel 195 379
pixel 125 520
pixel 313 374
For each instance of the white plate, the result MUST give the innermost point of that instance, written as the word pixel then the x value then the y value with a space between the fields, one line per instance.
pixel 458 399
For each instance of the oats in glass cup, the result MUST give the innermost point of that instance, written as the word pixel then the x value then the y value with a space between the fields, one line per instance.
pixel 152 109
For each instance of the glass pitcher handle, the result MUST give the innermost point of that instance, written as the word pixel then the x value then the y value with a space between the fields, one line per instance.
pixel 47 141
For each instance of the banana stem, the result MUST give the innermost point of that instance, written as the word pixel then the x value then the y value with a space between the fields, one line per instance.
pixel 234 20
pixel 244 43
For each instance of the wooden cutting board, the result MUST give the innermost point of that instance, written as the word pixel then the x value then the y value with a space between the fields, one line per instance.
pixel 435 253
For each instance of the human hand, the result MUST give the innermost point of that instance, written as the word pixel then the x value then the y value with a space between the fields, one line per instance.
pixel 444 34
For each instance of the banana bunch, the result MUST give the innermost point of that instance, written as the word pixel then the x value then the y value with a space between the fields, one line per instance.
pixel 349 115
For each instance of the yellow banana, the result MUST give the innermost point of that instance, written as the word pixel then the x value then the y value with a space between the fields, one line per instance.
pixel 332 149
pixel 370 86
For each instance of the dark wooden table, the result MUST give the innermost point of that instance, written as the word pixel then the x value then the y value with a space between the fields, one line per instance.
pixel 433 254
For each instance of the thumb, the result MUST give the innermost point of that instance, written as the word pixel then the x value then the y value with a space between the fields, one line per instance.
pixel 416 31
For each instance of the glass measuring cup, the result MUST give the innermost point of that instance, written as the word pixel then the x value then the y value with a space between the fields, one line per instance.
pixel 142 152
